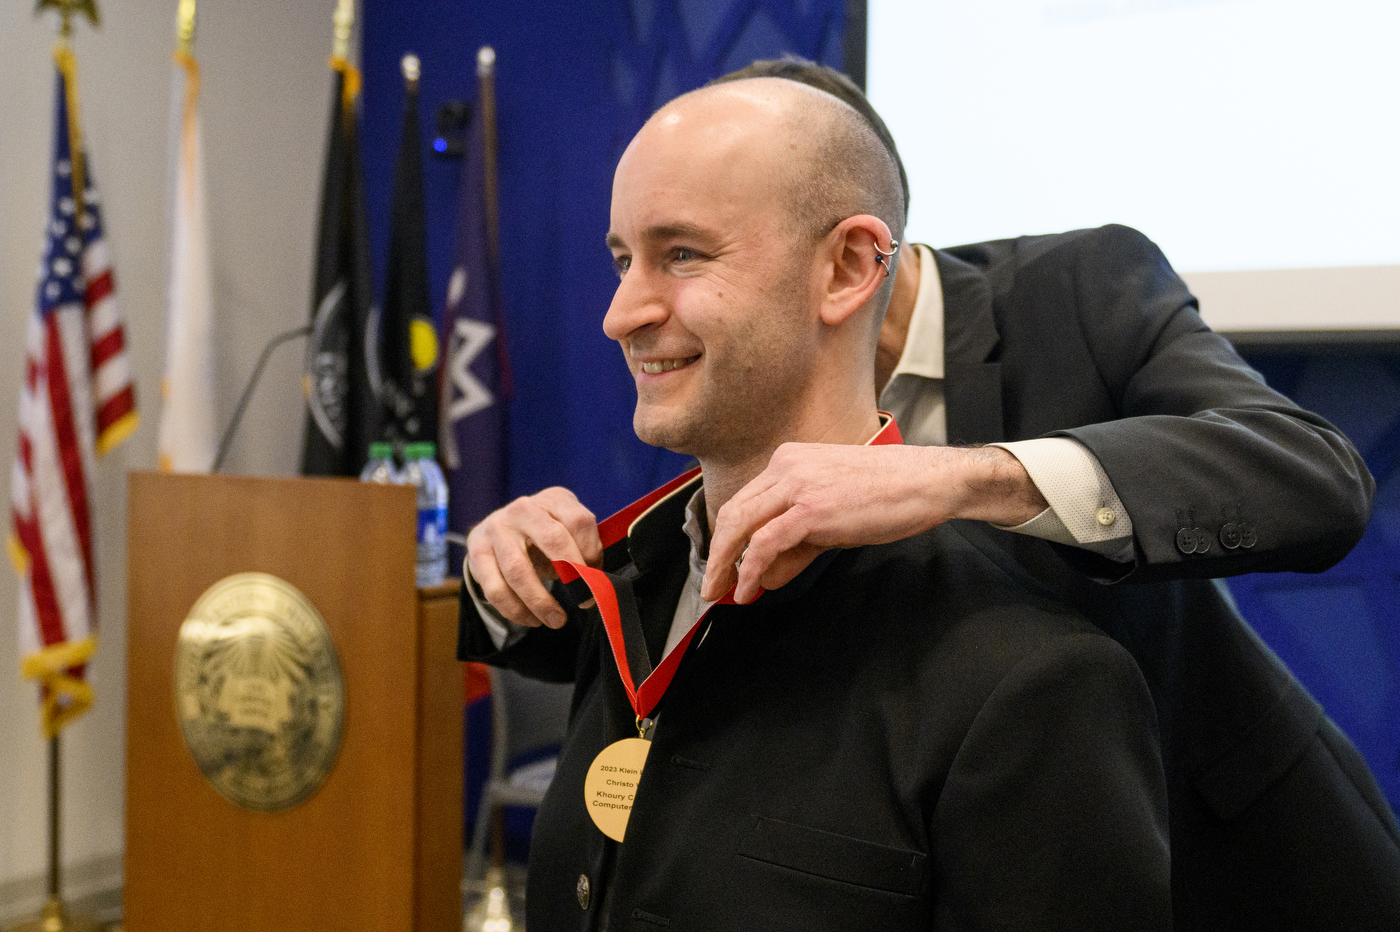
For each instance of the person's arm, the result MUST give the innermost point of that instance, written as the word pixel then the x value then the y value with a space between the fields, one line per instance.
pixel 1083 509
pixel 814 496
pixel 1199 443
pixel 549 654
pixel 1053 815
pixel 509 614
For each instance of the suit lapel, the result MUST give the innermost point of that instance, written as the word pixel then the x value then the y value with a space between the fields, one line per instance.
pixel 971 374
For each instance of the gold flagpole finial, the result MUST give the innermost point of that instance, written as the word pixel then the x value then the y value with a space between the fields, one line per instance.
pixel 184 27
pixel 66 9
pixel 344 20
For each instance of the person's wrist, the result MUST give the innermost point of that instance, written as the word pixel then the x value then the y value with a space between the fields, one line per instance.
pixel 997 489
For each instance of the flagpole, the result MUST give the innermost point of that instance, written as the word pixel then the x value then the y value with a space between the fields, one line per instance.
pixel 54 917
pixel 344 20
pixel 486 77
pixel 493 912
pixel 55 820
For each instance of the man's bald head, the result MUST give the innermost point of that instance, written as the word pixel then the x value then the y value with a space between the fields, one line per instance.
pixel 748 223
pixel 824 157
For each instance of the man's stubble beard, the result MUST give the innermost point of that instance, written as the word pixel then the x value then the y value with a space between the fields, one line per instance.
pixel 750 388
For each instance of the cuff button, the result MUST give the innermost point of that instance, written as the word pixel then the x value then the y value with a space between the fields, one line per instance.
pixel 1248 536
pixel 1186 540
pixel 1230 536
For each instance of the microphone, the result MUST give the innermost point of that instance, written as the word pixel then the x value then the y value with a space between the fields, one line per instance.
pixel 248 390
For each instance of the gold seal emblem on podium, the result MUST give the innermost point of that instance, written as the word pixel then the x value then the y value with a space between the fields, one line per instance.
pixel 259 692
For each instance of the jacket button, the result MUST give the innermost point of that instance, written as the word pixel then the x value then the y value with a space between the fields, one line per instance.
pixel 1186 540
pixel 1106 516
pixel 582 890
pixel 1202 540
pixel 1248 536
pixel 1230 536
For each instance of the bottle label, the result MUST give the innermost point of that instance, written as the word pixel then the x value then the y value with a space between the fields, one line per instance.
pixel 432 524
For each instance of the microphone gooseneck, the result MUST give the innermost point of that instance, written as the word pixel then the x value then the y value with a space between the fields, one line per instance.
pixel 232 428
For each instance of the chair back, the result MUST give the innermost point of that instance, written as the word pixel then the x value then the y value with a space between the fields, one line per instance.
pixel 526 715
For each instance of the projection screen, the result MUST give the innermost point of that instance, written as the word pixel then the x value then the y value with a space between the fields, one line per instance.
pixel 1256 141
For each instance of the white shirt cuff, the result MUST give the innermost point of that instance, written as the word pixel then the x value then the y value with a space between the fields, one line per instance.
pixel 503 631
pixel 1084 510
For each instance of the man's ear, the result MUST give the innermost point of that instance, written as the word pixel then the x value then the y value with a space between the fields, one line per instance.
pixel 851 273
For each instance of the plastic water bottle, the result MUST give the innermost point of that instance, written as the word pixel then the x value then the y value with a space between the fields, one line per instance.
pixel 380 467
pixel 421 471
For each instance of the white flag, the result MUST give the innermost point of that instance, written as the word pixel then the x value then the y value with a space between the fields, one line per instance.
pixel 187 436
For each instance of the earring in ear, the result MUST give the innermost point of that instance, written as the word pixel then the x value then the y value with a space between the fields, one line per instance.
pixel 883 257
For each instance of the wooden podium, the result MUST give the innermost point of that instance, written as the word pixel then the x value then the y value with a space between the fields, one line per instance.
pixel 379 844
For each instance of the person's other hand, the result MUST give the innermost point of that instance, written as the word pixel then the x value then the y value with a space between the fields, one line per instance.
pixel 509 553
pixel 812 497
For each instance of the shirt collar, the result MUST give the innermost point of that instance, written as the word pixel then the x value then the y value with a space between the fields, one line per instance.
pixel 923 346
pixel 697 528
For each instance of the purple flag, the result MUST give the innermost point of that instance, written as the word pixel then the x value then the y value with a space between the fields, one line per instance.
pixel 476 378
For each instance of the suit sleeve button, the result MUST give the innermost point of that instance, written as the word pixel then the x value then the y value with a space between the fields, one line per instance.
pixel 1248 536
pixel 1186 540
pixel 1202 540
pixel 1230 535
pixel 582 890
pixel 1106 516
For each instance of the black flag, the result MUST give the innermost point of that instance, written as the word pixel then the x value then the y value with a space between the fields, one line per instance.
pixel 409 345
pixel 336 382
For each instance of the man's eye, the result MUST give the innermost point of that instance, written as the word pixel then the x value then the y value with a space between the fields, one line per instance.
pixel 683 254
pixel 622 264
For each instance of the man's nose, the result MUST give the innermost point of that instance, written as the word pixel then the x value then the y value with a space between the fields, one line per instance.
pixel 637 303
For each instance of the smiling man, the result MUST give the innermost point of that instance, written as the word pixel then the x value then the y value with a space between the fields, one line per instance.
pixel 904 736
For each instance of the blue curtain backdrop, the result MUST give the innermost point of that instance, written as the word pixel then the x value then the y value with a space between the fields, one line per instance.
pixel 574 82
pixel 1339 631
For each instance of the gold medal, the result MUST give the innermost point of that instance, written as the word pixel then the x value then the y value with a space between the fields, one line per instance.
pixel 611 785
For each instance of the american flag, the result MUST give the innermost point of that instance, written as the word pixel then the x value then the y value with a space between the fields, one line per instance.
pixel 77 401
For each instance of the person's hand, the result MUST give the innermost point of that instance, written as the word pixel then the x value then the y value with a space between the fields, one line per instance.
pixel 812 497
pixel 509 553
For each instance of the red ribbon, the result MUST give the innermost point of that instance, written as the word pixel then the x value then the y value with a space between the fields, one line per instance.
pixel 644 698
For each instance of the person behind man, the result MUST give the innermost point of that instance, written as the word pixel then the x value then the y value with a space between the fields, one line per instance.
pixel 1165 461
pixel 903 737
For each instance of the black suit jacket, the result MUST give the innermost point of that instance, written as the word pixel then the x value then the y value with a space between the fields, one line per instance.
pixel 901 738
pixel 1275 821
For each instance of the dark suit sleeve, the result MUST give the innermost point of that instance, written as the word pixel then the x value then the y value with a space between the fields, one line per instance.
pixel 542 653
pixel 1200 441
pixel 1053 815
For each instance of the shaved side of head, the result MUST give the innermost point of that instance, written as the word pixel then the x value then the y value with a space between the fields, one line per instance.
pixel 823 78
pixel 848 170
pixel 834 165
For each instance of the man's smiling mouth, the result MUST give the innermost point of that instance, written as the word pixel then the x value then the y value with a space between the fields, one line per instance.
pixel 666 365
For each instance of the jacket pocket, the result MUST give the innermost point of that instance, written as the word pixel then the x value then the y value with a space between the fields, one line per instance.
pixel 835 857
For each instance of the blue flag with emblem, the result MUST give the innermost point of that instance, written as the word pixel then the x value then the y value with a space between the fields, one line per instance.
pixel 473 432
